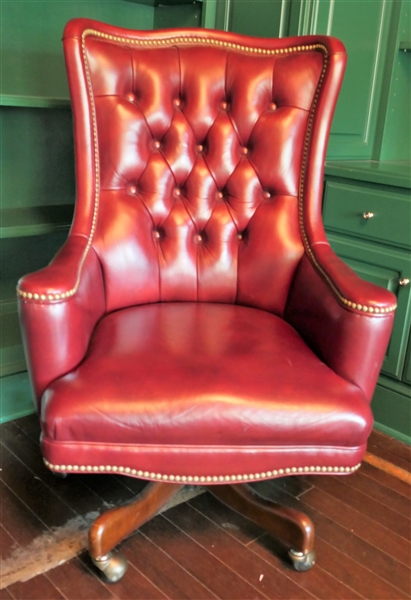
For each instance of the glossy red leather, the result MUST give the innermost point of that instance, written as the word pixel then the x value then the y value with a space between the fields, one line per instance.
pixel 204 376
pixel 197 321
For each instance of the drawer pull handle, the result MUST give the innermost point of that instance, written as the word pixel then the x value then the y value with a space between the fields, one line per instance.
pixel 404 281
pixel 368 215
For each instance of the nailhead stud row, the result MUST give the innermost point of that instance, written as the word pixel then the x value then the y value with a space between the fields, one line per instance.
pixel 199 478
pixel 369 309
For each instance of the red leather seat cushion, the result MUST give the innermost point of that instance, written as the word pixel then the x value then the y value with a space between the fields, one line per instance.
pixel 203 374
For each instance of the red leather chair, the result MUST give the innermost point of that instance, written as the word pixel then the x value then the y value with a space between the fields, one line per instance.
pixel 197 328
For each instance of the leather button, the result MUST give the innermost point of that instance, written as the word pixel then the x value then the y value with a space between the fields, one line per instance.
pixel 177 192
pixel 132 189
pixel 130 97
pixel 220 195
pixel 272 106
pixel 244 150
pixel 198 237
pixel 266 195
pixel 156 234
pixel 239 236
pixel 223 105
pixel 157 144
pixel 177 102
pixel 199 148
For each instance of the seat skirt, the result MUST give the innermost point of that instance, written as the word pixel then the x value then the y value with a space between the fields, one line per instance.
pixel 202 392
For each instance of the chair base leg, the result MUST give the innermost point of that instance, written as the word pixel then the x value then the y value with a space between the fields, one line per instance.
pixel 113 526
pixel 292 527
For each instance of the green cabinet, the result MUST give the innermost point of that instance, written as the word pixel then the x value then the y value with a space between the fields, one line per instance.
pixel 369 227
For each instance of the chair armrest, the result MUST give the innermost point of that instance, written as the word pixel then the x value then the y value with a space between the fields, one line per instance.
pixel 58 308
pixel 345 320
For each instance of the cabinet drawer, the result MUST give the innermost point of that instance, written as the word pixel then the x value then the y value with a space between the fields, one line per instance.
pixel 389 212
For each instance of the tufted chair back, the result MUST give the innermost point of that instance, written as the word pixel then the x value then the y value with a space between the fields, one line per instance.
pixel 200 154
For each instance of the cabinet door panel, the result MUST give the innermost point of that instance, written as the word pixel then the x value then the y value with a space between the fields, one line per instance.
pixel 363 26
pixel 260 18
pixel 384 267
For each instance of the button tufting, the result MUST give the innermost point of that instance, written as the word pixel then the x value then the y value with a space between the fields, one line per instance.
pixel 132 189
pixel 156 234
pixel 266 195
pixel 199 148
pixel 272 106
pixel 244 150
pixel 130 97
pixel 177 102
pixel 177 192
pixel 157 144
pixel 220 195
pixel 198 237
pixel 240 236
pixel 223 105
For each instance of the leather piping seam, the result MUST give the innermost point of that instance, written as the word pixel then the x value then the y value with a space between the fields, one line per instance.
pixel 199 478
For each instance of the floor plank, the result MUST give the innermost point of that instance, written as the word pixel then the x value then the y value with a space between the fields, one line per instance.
pixel 355 575
pixel 38 588
pixel 76 582
pixel 237 557
pixel 385 479
pixel 390 449
pixel 344 537
pixel 79 496
pixel 379 562
pixel 338 487
pixel 43 502
pixel 7 543
pixel 222 581
pixel 364 527
pixel 170 577
pixel 376 490
pixel 17 519
pixel 133 585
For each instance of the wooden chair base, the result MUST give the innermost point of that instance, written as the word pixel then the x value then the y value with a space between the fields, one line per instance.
pixel 113 526
pixel 292 527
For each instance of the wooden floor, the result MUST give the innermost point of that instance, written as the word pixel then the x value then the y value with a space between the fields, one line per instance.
pixel 200 549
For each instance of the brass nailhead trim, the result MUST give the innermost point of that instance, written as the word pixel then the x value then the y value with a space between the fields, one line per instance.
pixel 199 478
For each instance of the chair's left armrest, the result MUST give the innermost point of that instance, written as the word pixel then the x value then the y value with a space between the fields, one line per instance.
pixel 58 308
pixel 345 320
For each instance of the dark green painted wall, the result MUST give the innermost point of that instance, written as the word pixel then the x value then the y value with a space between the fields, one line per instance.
pixel 31 31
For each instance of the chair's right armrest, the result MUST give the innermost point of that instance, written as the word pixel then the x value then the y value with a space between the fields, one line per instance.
pixel 350 336
pixel 59 307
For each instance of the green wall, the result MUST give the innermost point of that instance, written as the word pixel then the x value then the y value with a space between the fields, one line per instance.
pixel 31 31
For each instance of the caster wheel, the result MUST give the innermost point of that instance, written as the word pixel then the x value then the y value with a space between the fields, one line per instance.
pixel 59 475
pixel 112 565
pixel 302 561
